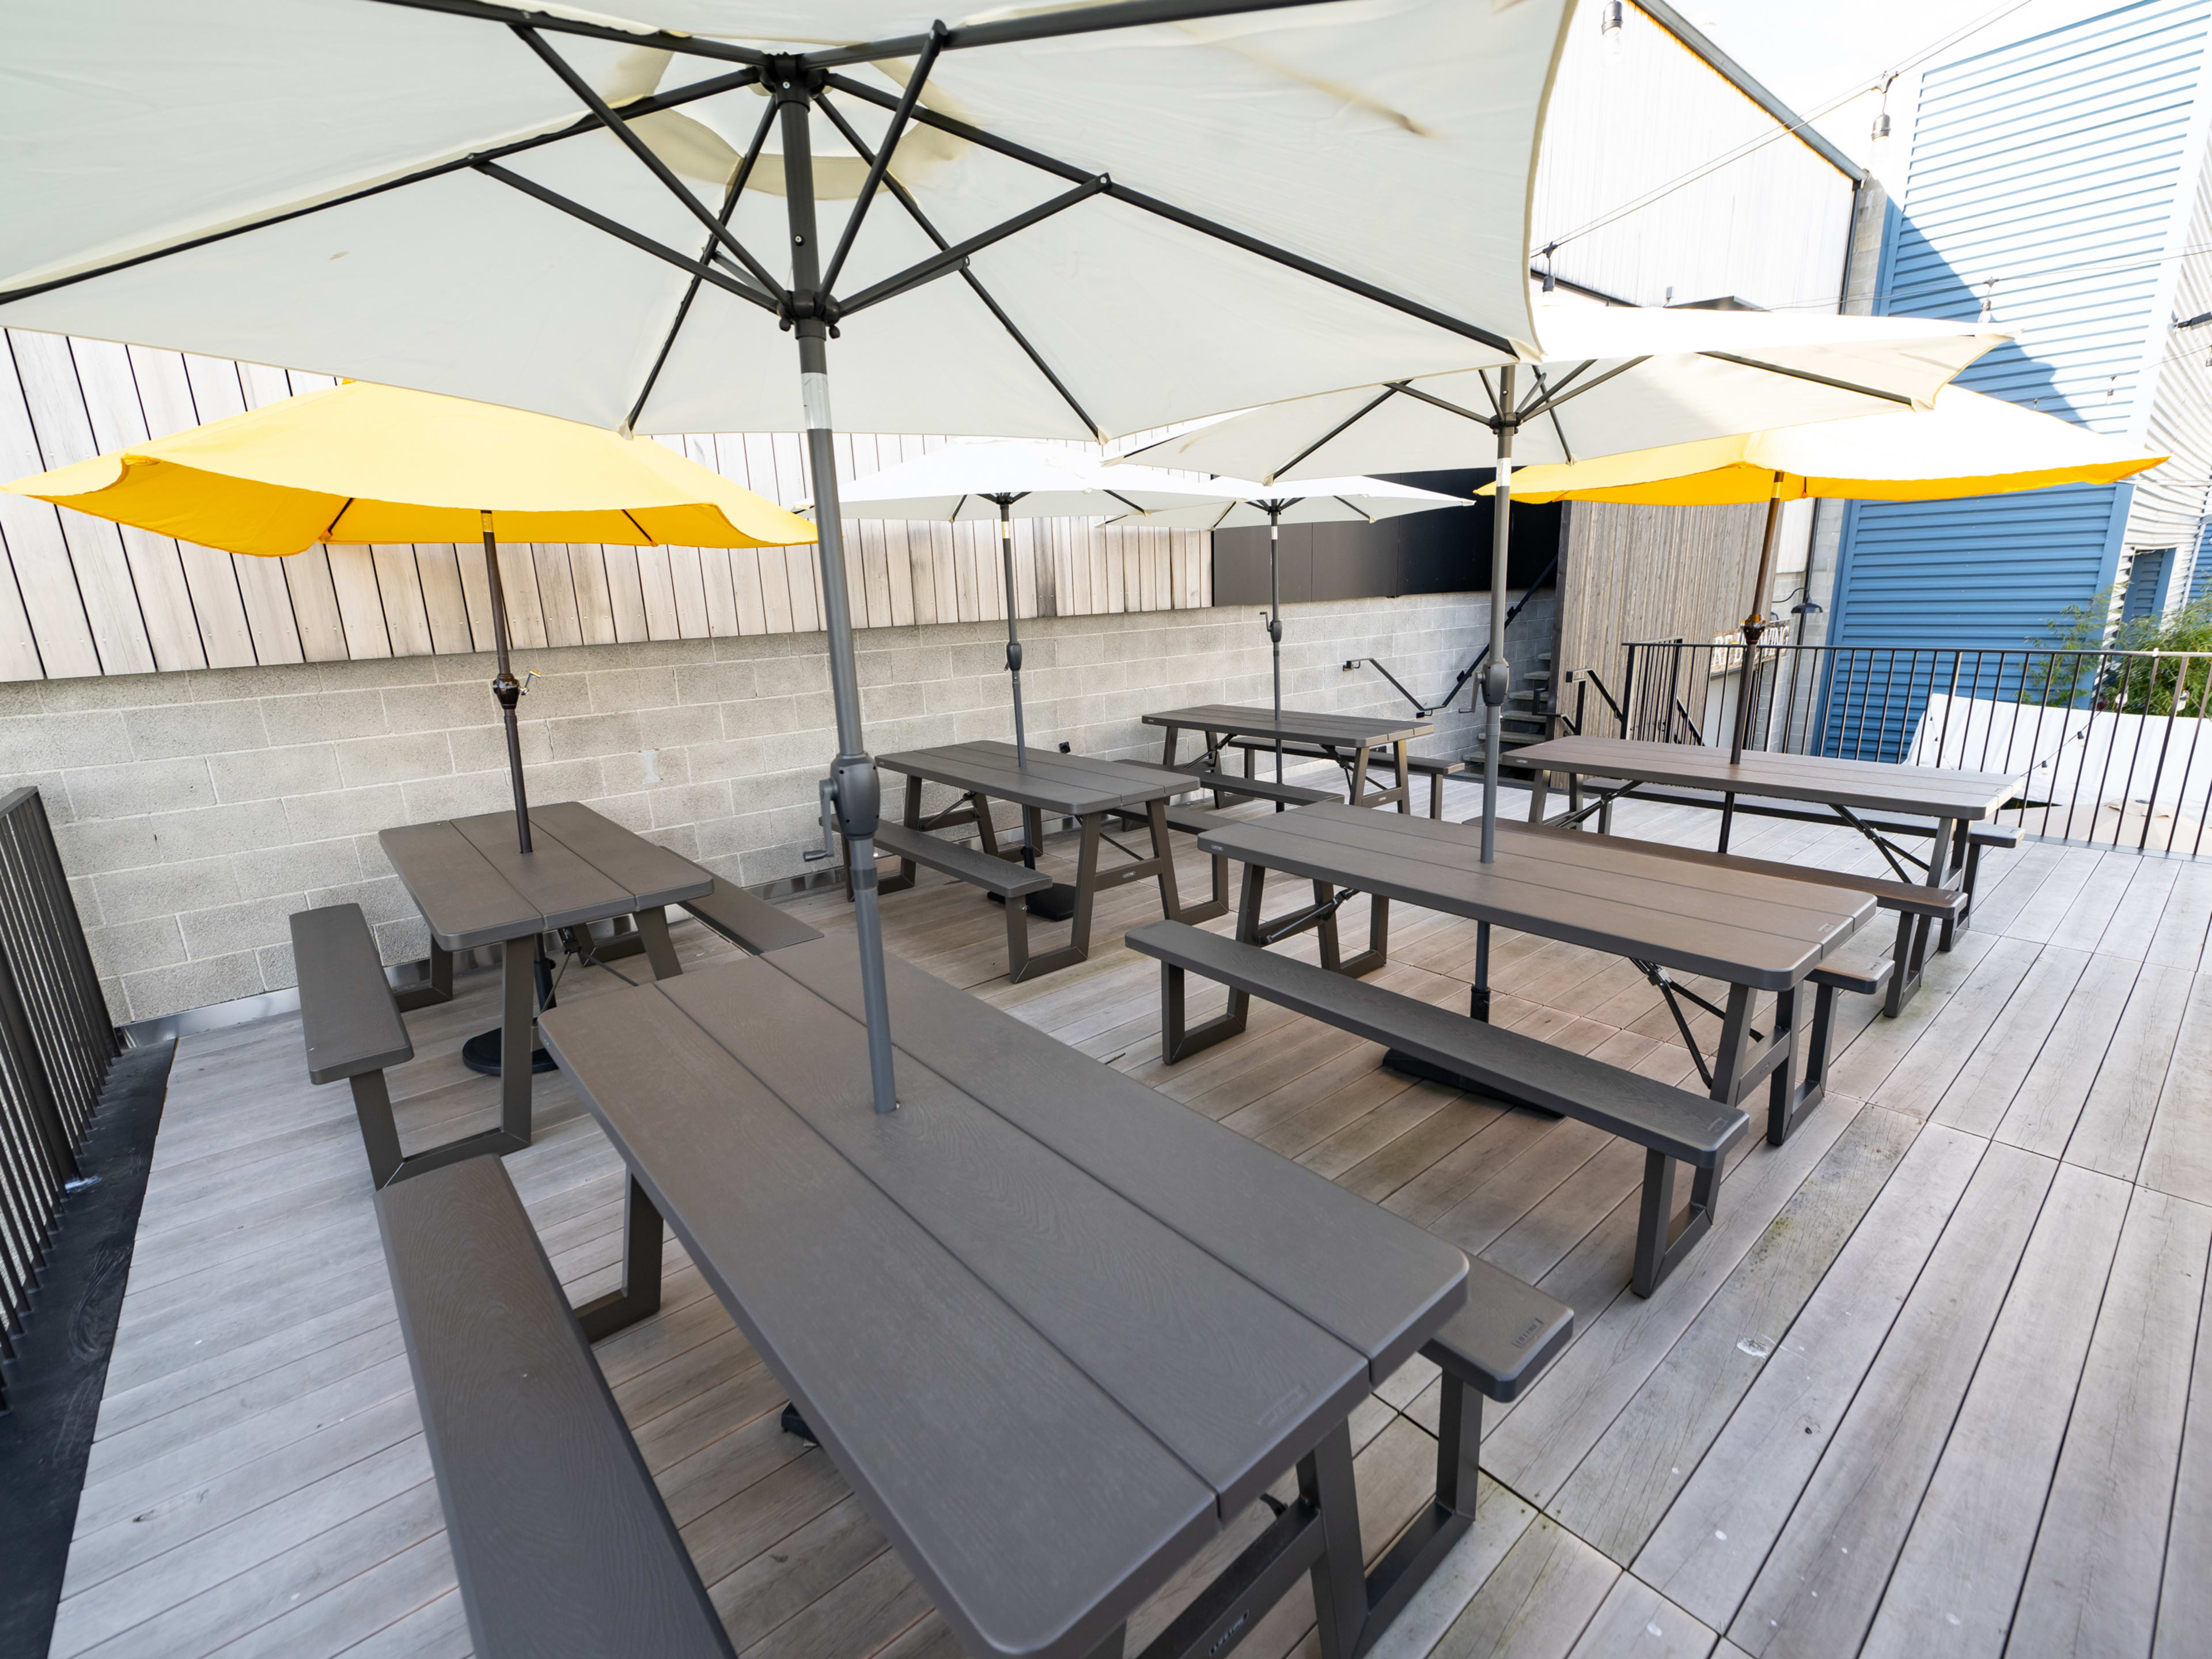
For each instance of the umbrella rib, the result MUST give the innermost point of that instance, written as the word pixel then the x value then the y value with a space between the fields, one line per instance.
pixel 1551 408
pixel 1205 226
pixel 1551 404
pixel 1349 507
pixel 1342 427
pixel 636 146
pixel 720 83
pixel 1546 390
pixel 635 238
pixel 945 260
pixel 880 163
pixel 1085 20
pixel 1807 374
pixel 692 292
pixel 1446 404
pixel 905 199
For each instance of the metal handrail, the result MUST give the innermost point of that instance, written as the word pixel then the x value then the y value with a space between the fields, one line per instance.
pixel 56 1043
pixel 2113 743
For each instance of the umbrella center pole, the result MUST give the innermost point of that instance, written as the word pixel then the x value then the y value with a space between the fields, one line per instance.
pixel 1275 627
pixel 1755 627
pixel 854 796
pixel 1005 505
pixel 508 689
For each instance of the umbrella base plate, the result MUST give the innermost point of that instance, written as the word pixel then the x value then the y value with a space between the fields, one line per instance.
pixel 1055 903
pixel 1406 1066
pixel 481 1053
pixel 793 1424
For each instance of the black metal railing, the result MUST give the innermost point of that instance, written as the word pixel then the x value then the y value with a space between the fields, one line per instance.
pixel 56 1043
pixel 2113 745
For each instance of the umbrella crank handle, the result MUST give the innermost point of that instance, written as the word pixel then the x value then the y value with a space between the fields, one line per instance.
pixel 829 848
pixel 1497 682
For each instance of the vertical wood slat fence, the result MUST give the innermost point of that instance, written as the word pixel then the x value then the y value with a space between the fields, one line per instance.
pixel 56 1043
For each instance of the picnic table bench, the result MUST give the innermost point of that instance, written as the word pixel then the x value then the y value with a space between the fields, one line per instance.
pixel 1351 740
pixel 561 1543
pixel 1672 1125
pixel 1054 1330
pixel 1435 768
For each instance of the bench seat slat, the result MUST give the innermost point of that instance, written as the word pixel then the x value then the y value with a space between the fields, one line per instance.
pixel 347 1011
pixel 560 1543
pixel 1670 1121
pixel 748 920
pixel 1291 795
pixel 977 868
pixel 1892 895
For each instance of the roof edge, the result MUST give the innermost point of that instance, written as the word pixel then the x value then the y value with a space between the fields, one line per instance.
pixel 1734 73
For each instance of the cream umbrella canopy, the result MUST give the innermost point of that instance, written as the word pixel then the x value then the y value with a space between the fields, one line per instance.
pixel 1062 222
pixel 1966 445
pixel 361 463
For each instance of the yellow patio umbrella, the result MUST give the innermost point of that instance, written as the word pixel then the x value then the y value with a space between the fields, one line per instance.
pixel 1966 445
pixel 363 463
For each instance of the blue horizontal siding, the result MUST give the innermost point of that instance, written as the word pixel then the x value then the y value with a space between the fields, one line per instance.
pixel 2052 165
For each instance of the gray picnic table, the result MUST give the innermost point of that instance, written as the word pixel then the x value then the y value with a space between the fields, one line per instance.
pixel 1056 1330
pixel 1957 801
pixel 474 888
pixel 1756 932
pixel 1347 739
pixel 1076 786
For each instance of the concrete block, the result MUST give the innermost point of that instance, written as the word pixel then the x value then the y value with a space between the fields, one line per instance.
pixel 726 757
pixel 632 811
pixel 395 759
pixel 165 890
pixel 597 734
pixel 431 799
pixel 198 728
pixel 790 676
pixel 251 924
pixel 717 682
pixel 405 940
pixel 278 971
pixel 306 768
pixel 161 991
pixel 347 811
pixel 375 673
pixel 50 742
pixel 649 768
pixel 134 947
pixel 298 868
pixel 103 691
pixel 615 691
pixel 118 792
pixel 326 716
pixel 690 803
pixel 381 899
pixel 442 707
pixel 483 747
pixel 290 679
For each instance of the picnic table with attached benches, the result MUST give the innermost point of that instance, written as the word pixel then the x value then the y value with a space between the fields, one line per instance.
pixel 1056 1330
pixel 1756 931
pixel 1350 740
pixel 1050 784
pixel 1960 808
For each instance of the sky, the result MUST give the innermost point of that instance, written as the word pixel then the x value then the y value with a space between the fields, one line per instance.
pixel 1810 52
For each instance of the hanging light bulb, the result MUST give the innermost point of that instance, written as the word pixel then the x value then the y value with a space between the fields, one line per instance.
pixel 1609 27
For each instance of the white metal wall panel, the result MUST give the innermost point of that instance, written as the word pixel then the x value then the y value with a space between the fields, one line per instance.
pixel 1771 228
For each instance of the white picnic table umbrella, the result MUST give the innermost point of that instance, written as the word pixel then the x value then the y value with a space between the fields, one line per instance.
pixel 1312 501
pixel 1611 379
pixel 1152 209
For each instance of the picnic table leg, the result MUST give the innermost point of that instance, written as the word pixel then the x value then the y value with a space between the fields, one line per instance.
pixel 1340 1578
pixel 1020 963
pixel 437 985
pixel 1179 1038
pixel 518 1029
pixel 1156 817
pixel 1961 873
pixel 1913 931
pixel 653 928
pixel 640 1296
pixel 1404 779
pixel 1359 777
pixel 1540 795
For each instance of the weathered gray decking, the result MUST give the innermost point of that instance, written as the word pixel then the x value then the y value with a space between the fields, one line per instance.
pixel 1927 1381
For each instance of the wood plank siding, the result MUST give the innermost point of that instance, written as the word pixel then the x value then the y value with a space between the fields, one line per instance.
pixel 86 596
pixel 1652 573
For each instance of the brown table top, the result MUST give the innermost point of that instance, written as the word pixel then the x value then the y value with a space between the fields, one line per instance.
pixel 1036 1278
pixel 474 888
pixel 1070 785
pixel 1940 791
pixel 1767 931
pixel 1297 725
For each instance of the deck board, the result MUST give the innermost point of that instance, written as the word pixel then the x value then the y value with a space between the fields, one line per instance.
pixel 1954 1326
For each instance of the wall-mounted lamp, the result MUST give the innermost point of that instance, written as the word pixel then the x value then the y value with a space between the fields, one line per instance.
pixel 1609 27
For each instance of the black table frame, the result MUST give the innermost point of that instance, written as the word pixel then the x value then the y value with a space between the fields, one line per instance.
pixel 1352 757
pixel 971 807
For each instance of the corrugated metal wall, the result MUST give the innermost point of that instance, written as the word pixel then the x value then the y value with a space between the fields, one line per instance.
pixel 2056 181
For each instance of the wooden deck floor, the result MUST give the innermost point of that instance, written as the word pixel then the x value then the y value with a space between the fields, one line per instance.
pixel 1924 1389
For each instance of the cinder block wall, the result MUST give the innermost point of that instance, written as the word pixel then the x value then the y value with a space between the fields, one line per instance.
pixel 196 811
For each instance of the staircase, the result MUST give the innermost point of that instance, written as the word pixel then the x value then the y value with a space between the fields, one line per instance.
pixel 1526 718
